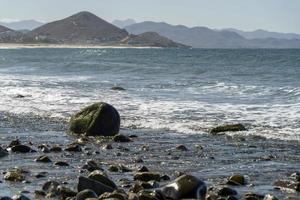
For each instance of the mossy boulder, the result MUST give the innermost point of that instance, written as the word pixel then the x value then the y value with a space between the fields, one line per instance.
pixel 99 119
pixel 228 128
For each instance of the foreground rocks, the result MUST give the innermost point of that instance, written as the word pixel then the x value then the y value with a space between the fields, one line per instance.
pixel 99 119
pixel 228 128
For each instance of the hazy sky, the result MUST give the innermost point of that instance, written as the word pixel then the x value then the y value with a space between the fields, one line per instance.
pixel 274 15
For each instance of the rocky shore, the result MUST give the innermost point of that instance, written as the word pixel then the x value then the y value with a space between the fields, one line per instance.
pixel 145 164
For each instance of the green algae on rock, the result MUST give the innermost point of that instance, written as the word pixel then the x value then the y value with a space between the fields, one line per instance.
pixel 98 119
pixel 228 128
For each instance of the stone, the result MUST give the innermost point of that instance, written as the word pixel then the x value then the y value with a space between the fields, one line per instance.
pixel 236 180
pixel 43 159
pixel 14 143
pixel 99 176
pixel 296 176
pixel 185 186
pixel 253 196
pixel 65 192
pixel 87 193
pixel 113 168
pixel 181 147
pixel 91 165
pixel 14 175
pixel 118 88
pixel 74 148
pixel 107 146
pixel 226 191
pixel 51 188
pixel 286 184
pixel 20 197
pixel 55 149
pixel 270 197
pixel 143 169
pixel 3 152
pixel 97 187
pixel 21 149
pixel 61 164
pixel 41 175
pixel 228 128
pixel 99 119
pixel 146 176
pixel 5 198
pixel 121 138
pixel 117 194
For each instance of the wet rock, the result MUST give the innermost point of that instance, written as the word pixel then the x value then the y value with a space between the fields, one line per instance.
pixel 14 143
pixel 55 149
pixel 98 119
pixel 287 185
pixel 41 175
pixel 270 197
pixel 228 128
pixel 118 88
pixel 181 147
pixel 150 195
pixel 43 159
pixel 185 186
pixel 143 169
pixel 84 194
pixel 21 149
pixel 253 196
pixel 74 148
pixel 226 191
pixel 5 198
pixel 296 176
pixel 147 176
pixel 113 168
pixel 107 146
pixel 3 152
pixel 121 138
pixel 20 96
pixel 99 176
pixel 14 175
pixel 165 178
pixel 117 194
pixel 20 197
pixel 124 169
pixel 91 166
pixel 97 187
pixel 236 180
pixel 51 188
pixel 61 164
pixel 45 150
pixel 65 192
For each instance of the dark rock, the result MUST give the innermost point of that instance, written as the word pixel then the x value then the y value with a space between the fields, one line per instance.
pixel 61 164
pixel 296 176
pixel 165 178
pixel 253 196
pixel 286 184
pixel 84 194
pixel 97 187
pixel 14 143
pixel 228 128
pixel 185 186
pixel 117 194
pixel 5 198
pixel 43 159
pixel 236 180
pixel 99 176
pixel 124 169
pixel 91 166
pixel 14 175
pixel 143 169
pixel 107 146
pixel 181 147
pixel 20 197
pixel 21 149
pixel 40 193
pixel 74 148
pixel 55 149
pixel 3 152
pixel 121 138
pixel 118 88
pixel 41 175
pixel 65 192
pixel 20 96
pixel 45 150
pixel 99 119
pixel 226 191
pixel 113 168
pixel 147 176
pixel 51 188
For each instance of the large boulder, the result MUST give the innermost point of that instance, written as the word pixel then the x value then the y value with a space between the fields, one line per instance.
pixel 99 119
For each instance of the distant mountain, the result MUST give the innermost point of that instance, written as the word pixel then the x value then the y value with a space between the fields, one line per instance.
pixel 151 39
pixel 22 25
pixel 263 34
pixel 202 37
pixel 4 29
pixel 83 27
pixel 123 23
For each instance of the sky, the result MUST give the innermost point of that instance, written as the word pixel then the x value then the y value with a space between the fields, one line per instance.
pixel 272 15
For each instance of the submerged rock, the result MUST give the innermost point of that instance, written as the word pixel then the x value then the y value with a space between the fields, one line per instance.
pixel 15 176
pixel 99 119
pixel 101 177
pixel 118 88
pixel 147 176
pixel 21 149
pixel 228 128
pixel 84 194
pixel 236 180
pixel 43 159
pixel 121 138
pixel 185 186
pixel 97 187
pixel 3 152
pixel 287 185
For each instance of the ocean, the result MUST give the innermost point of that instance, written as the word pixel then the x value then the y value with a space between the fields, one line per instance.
pixel 186 91
pixel 172 97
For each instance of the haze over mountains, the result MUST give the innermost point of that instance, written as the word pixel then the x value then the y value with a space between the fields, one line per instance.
pixel 87 28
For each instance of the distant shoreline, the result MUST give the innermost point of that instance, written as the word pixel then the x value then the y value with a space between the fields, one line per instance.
pixel 70 46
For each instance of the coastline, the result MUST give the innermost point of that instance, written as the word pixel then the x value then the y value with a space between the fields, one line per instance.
pixel 70 46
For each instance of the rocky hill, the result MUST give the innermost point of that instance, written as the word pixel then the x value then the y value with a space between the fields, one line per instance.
pixel 4 29
pixel 83 27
